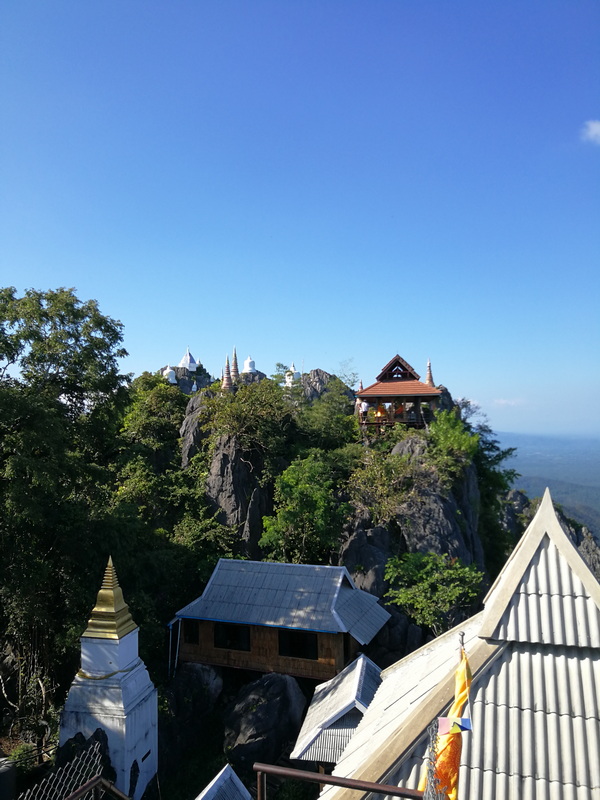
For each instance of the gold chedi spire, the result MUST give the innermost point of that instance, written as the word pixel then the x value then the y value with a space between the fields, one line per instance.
pixel 429 377
pixel 226 384
pixel 110 616
pixel 235 373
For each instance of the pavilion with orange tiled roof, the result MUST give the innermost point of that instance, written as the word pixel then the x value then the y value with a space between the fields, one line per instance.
pixel 398 395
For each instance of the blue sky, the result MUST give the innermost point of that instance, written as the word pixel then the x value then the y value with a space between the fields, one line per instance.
pixel 319 181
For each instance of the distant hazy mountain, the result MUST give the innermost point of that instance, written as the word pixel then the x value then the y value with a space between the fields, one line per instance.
pixel 570 466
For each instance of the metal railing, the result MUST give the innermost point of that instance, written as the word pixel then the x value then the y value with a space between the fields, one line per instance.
pixel 99 787
pixel 262 770
pixel 59 783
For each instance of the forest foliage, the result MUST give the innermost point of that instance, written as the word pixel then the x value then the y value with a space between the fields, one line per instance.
pixel 90 466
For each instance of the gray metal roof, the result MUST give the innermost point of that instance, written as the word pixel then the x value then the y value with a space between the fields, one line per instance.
pixel 362 616
pixel 533 728
pixel 535 697
pixel 548 585
pixel 329 743
pixel 302 596
pixel 335 711
pixel 225 786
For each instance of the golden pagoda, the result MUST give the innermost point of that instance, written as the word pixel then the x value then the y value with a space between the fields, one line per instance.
pixel 110 618
pixel 235 373
pixel 226 383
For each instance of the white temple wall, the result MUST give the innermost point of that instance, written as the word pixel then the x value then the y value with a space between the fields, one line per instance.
pixel 102 656
pixel 125 706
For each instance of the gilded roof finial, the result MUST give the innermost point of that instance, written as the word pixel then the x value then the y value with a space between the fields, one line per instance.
pixel 226 384
pixel 429 377
pixel 110 616
pixel 235 374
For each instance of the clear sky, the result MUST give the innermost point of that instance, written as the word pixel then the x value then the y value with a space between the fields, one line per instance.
pixel 319 181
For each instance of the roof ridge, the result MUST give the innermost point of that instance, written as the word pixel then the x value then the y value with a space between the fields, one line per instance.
pixel 544 523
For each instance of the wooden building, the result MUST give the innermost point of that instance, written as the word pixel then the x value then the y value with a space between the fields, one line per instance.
pixel 297 619
pixel 398 395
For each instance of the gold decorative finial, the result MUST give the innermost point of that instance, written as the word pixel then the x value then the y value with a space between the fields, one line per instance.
pixel 429 378
pixel 110 617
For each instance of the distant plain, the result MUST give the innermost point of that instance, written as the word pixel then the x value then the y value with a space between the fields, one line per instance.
pixel 569 466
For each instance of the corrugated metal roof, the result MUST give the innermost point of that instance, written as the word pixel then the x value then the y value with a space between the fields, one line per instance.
pixel 329 743
pixel 536 718
pixel 225 786
pixel 360 613
pixel 551 605
pixel 307 597
pixel 404 686
pixel 535 704
pixel 353 689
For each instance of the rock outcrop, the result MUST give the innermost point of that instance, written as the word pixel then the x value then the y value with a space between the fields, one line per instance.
pixel 235 492
pixel 192 435
pixel 189 382
pixel 262 721
pixel 246 378
pixel 314 384
pixel 432 520
pixel 233 486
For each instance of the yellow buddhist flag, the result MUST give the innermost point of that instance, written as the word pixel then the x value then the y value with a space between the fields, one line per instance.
pixel 447 761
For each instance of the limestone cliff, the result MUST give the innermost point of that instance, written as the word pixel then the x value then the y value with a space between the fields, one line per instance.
pixel 233 485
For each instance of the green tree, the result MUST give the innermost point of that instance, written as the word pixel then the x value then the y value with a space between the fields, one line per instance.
pixel 308 517
pixel 153 419
pixel 494 481
pixel 60 346
pixel 434 590
pixel 61 396
pixel 259 417
pixel 329 422
pixel 452 445
pixel 386 483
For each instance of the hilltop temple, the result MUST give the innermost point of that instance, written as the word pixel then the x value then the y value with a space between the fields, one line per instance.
pixel 398 395
pixel 189 374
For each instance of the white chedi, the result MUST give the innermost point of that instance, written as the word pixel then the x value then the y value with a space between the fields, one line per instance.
pixel 113 691
pixel 188 361
pixel 169 374
pixel 292 375
pixel 249 366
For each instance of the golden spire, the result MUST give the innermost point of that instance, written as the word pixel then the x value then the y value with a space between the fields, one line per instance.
pixel 226 384
pixel 110 617
pixel 235 374
pixel 429 378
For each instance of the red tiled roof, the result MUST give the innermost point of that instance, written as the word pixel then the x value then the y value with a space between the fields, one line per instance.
pixel 399 389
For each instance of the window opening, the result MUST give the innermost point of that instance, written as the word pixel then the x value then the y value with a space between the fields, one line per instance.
pixel 298 644
pixel 232 637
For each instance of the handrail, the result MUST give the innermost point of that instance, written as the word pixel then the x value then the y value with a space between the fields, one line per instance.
pixel 316 777
pixel 97 783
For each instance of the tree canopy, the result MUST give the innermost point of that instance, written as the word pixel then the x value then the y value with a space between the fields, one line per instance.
pixel 435 590
pixel 90 466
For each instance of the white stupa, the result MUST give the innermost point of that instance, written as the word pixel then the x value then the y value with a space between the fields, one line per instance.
pixel 292 375
pixel 249 366
pixel 188 361
pixel 169 374
pixel 113 691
